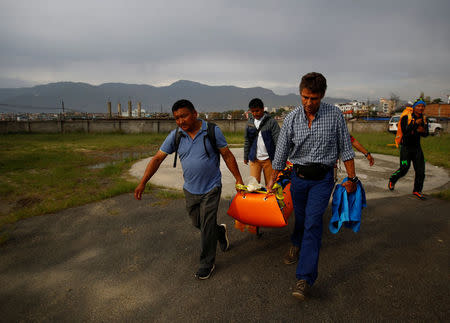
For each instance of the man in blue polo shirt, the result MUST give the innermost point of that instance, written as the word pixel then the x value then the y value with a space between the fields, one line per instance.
pixel 202 178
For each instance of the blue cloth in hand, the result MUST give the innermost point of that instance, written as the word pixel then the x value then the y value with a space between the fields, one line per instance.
pixel 347 207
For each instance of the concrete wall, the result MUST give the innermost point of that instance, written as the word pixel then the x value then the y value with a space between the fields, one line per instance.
pixel 14 126
pixel 152 126
pixel 367 126
pixel 103 126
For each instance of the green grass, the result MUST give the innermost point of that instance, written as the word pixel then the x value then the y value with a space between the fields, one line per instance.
pixel 169 194
pixel 444 195
pixel 45 173
pixel 235 138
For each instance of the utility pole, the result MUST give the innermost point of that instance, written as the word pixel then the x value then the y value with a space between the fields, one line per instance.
pixel 62 105
pixel 109 109
pixel 129 108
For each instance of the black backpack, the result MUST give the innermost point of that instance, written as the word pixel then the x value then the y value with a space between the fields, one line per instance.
pixel 210 133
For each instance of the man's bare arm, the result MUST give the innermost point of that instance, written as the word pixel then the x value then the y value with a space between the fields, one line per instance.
pixel 363 150
pixel 350 168
pixel 150 170
pixel 231 163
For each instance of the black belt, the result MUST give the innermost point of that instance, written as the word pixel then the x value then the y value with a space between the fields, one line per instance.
pixel 312 171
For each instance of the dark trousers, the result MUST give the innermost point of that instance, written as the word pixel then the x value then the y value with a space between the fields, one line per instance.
pixel 310 199
pixel 202 209
pixel 408 155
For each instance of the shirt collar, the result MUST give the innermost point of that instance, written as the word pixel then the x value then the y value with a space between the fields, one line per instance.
pixel 203 127
pixel 262 118
pixel 318 113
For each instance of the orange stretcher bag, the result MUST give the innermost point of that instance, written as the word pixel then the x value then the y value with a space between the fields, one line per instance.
pixel 261 210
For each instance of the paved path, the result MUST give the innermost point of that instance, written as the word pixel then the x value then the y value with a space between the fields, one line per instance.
pixel 374 178
pixel 122 260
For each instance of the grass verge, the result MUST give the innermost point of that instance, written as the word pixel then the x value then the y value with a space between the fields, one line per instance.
pixel 45 173
pixel 444 195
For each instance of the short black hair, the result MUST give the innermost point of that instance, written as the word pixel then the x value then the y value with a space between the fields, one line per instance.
pixel 183 104
pixel 256 103
pixel 315 82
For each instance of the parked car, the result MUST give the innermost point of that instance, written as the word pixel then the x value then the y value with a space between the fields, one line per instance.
pixel 434 127
pixel 393 122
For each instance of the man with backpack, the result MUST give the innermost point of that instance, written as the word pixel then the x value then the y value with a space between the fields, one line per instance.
pixel 199 148
pixel 412 125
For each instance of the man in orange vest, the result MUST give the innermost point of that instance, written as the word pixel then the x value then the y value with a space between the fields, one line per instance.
pixel 413 126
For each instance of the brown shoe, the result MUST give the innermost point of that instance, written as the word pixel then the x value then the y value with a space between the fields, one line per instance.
pixel 300 289
pixel 292 256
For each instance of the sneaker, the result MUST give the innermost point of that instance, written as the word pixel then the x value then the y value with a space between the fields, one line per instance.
pixel 300 289
pixel 391 185
pixel 292 255
pixel 419 195
pixel 204 273
pixel 223 237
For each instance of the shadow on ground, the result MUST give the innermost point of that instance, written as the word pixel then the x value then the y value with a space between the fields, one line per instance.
pixel 124 260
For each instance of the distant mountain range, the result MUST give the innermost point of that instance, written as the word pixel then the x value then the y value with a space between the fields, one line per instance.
pixel 84 97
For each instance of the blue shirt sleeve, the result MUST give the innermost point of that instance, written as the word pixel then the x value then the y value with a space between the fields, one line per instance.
pixel 221 142
pixel 168 146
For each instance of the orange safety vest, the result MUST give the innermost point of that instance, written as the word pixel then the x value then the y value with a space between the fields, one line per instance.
pixel 407 112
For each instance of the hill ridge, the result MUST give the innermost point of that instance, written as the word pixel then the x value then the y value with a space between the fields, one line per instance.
pixel 85 97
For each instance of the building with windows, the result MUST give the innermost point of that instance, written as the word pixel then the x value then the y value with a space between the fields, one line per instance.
pixel 387 106
pixel 351 108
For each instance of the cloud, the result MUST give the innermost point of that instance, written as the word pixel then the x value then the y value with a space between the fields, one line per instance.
pixel 364 48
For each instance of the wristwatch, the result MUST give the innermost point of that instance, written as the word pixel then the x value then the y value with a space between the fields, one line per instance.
pixel 367 154
pixel 353 179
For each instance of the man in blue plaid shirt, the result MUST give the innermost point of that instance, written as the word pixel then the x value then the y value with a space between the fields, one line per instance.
pixel 312 137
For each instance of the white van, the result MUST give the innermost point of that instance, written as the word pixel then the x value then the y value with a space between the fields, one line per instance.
pixel 434 128
pixel 393 122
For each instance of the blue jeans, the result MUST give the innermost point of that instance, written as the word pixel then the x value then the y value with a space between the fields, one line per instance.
pixel 310 199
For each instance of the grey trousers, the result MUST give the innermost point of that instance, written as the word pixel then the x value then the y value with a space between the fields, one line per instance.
pixel 202 209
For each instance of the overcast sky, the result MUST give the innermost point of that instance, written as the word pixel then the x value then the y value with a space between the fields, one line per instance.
pixel 365 48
